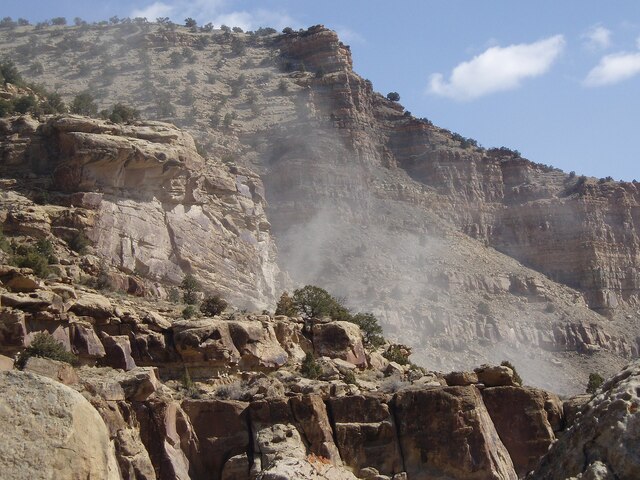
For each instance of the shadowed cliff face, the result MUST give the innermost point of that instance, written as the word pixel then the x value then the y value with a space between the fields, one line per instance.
pixel 466 254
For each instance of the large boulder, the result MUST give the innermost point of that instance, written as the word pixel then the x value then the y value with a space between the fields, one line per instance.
pixel 310 414
pixel 604 440
pixel 525 419
pixel 50 431
pixel 366 433
pixel 340 340
pixel 448 433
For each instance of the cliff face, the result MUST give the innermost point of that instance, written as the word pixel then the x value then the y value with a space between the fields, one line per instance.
pixel 464 253
pixel 150 204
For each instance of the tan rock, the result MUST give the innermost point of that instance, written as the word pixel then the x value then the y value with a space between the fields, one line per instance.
pixel 222 429
pixel 495 376
pixel 340 340
pixel 455 379
pixel 365 433
pixel 53 369
pixel 6 363
pixel 310 414
pixel 65 439
pixel 603 441
pixel 523 423
pixel 447 433
pixel 92 305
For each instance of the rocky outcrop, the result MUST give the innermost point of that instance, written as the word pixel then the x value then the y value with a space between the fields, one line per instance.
pixel 602 442
pixel 366 433
pixel 448 433
pixel 526 420
pixel 150 203
pixel 66 439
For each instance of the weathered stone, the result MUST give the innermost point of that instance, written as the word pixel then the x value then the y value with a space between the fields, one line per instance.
pixel 257 344
pixel 447 433
pixel 222 428
pixel 310 414
pixel 65 439
pixel 340 340
pixel 6 363
pixel 521 419
pixel 365 433
pixel 60 371
pixel 32 302
pixel 17 281
pixel 603 441
pixel 573 406
pixel 495 376
pixel 118 352
pixel 461 379
pixel 92 305
pixel 236 468
pixel 85 342
pixel 168 435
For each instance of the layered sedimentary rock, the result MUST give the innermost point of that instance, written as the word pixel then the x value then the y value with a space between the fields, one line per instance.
pixel 149 202
pixel 387 210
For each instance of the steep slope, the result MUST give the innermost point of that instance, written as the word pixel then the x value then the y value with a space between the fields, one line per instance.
pixel 387 210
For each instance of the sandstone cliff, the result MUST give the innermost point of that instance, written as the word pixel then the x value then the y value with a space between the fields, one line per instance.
pixel 150 204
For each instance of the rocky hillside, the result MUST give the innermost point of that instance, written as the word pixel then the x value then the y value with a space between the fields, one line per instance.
pixel 466 254
pixel 248 397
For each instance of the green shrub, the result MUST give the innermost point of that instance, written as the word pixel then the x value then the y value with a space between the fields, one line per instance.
pixel 189 311
pixel 78 242
pixel 5 246
pixel 310 368
pixel 371 329
pixel 595 382
pixel 24 104
pixel 286 306
pixel 45 247
pixel 213 305
pixel 516 377
pixel 44 345
pixel 121 113
pixel 395 353
pixel 9 73
pixel 84 104
pixel 484 308
pixel 349 377
pixel 174 295
pixel 315 302
pixel 30 257
pixel 393 96
pixel 190 288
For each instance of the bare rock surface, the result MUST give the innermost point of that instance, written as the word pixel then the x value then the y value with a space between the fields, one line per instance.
pixel 448 433
pixel 50 431
pixel 602 443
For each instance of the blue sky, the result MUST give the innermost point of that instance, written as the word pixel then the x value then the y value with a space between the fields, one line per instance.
pixel 558 81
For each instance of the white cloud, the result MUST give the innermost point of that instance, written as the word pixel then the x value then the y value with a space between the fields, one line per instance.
pixel 613 68
pixel 153 11
pixel 348 36
pixel 597 38
pixel 205 11
pixel 498 69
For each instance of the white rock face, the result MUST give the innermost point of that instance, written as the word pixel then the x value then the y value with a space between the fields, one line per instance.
pixel 50 431
pixel 603 441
